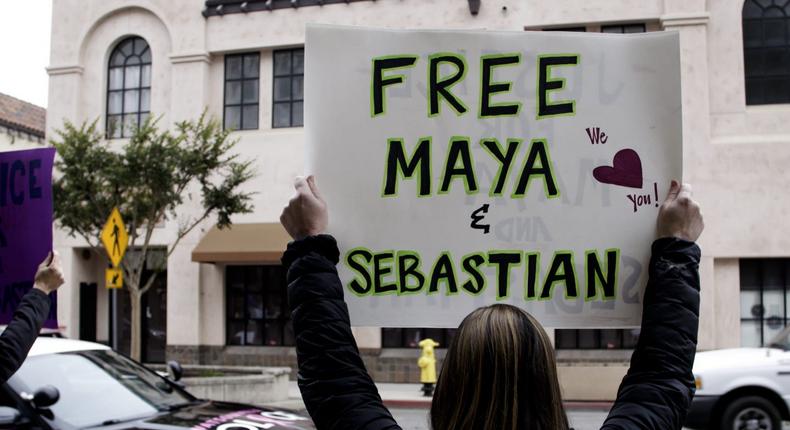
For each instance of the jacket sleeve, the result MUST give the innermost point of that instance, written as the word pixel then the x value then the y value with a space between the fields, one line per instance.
pixel 336 388
pixel 22 331
pixel 656 392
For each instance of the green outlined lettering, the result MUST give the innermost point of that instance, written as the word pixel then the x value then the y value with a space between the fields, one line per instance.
pixel 439 88
pixel 546 84
pixel 397 162
pixel 531 274
pixel 505 161
pixel 382 266
pixel 488 87
pixel 363 286
pixel 458 149
pixel 470 264
pixel 409 267
pixel 538 154
pixel 443 271
pixel 596 279
pixel 378 82
pixel 562 270
pixel 503 260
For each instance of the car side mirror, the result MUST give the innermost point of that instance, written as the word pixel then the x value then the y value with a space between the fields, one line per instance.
pixel 45 397
pixel 175 369
pixel 8 417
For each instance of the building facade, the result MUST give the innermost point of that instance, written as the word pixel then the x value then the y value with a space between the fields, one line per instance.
pixel 223 298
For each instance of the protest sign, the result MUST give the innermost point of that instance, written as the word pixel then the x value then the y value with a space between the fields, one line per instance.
pixel 465 168
pixel 25 225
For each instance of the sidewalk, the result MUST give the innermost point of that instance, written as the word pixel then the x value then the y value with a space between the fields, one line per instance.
pixel 409 396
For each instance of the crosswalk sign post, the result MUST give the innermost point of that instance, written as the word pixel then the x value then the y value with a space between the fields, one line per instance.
pixel 114 237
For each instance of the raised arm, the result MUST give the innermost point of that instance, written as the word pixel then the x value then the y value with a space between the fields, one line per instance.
pixel 657 391
pixel 336 388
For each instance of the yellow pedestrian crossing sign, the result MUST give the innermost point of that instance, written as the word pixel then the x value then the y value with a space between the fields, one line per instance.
pixel 114 278
pixel 114 237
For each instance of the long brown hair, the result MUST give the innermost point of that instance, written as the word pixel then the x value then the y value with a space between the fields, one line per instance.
pixel 499 374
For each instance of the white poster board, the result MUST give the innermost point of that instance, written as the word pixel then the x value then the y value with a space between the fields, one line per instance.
pixel 465 168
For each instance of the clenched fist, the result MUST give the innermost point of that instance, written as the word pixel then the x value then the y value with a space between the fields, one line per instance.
pixel 306 213
pixel 679 215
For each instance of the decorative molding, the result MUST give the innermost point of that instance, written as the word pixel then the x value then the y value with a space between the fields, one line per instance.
pixel 225 7
pixel 65 70
pixel 684 19
pixel 190 57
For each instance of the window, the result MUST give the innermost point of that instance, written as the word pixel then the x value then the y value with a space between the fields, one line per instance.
pixel 288 88
pixel 128 87
pixel 411 337
pixel 764 299
pixel 257 306
pixel 626 28
pixel 242 79
pixel 766 51
pixel 596 339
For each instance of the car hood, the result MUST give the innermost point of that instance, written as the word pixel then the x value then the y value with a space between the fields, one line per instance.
pixel 208 415
pixel 734 358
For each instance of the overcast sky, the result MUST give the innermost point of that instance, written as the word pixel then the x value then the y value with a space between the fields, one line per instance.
pixel 24 49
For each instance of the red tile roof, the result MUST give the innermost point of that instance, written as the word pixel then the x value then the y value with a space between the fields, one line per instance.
pixel 23 116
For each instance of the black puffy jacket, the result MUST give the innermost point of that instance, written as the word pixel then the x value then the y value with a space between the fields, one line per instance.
pixel 340 395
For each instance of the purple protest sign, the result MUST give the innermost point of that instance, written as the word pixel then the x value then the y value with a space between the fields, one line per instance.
pixel 25 225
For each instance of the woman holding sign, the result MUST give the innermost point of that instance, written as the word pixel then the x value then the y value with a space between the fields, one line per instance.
pixel 499 372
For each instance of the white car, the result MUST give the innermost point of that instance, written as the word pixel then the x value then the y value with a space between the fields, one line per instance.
pixel 69 384
pixel 743 388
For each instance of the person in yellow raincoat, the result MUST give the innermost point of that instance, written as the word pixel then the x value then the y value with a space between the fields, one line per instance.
pixel 427 364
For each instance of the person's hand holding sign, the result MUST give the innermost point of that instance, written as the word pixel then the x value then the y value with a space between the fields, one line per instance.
pixel 49 275
pixel 306 213
pixel 680 215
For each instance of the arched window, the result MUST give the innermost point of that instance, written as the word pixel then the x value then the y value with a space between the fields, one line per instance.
pixel 128 87
pixel 766 51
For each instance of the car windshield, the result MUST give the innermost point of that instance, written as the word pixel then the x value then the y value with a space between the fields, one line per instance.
pixel 781 340
pixel 97 387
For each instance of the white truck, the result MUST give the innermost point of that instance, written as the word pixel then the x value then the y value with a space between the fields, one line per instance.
pixel 743 388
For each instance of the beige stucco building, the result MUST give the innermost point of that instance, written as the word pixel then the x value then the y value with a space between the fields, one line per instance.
pixel 117 60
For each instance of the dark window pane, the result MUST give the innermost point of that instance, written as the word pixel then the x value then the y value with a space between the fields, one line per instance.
pixel 753 62
pixel 232 92
pixel 146 57
pixel 588 339
pixel 752 34
pixel 298 61
pixel 254 334
pixel 777 90
pixel 127 47
pixel 391 337
pixel 754 92
pixel 254 306
pixel 289 339
pixel 145 100
pixel 233 67
pixel 236 330
pixel 630 338
pixel 250 117
pixel 773 12
pixel 297 90
pixel 610 339
pixel 131 101
pixel 612 29
pixel 251 66
pixel 232 118
pixel 274 333
pixel 236 306
pixel 250 91
pixel 282 63
pixel 117 59
pixel 132 78
pixel 412 337
pixel 775 32
pixel 282 89
pixel 565 339
pixel 146 76
pixel 255 279
pixel 634 28
pixel 114 104
pixel 116 78
pixel 282 115
pixel 298 113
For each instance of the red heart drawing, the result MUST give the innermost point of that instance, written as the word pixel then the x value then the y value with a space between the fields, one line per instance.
pixel 626 170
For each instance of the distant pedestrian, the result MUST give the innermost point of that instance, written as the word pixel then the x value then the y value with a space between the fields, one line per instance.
pixel 499 372
pixel 20 334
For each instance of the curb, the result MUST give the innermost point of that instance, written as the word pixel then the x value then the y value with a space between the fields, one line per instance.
pixel 426 404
